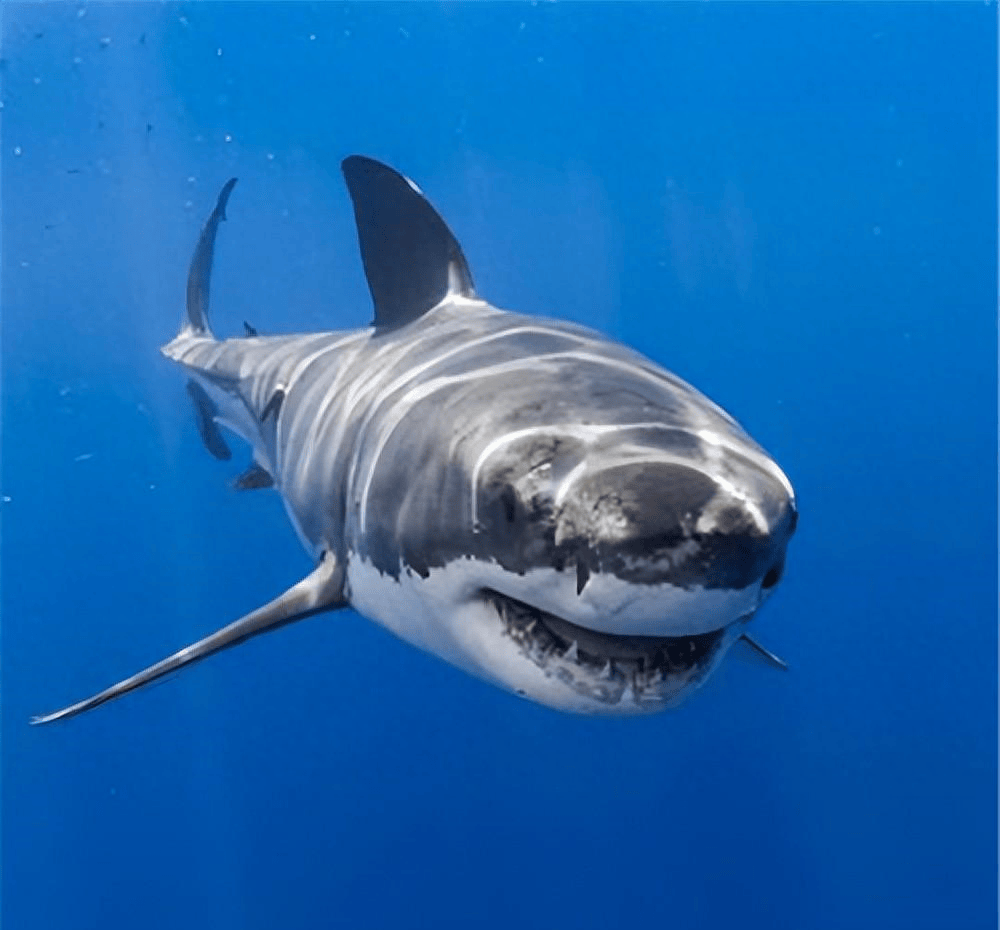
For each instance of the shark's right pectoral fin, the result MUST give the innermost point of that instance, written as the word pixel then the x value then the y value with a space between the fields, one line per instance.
pixel 318 592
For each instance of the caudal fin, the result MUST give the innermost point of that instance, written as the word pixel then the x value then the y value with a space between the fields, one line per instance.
pixel 200 272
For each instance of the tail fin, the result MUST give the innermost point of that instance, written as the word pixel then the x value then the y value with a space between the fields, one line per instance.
pixel 200 272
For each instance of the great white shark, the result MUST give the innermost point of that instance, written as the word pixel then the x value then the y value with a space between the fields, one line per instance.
pixel 535 503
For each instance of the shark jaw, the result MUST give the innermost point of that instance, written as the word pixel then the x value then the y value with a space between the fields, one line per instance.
pixel 459 614
pixel 618 674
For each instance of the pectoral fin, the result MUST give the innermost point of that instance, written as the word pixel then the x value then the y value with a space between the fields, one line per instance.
pixel 254 478
pixel 205 412
pixel 320 591
pixel 766 655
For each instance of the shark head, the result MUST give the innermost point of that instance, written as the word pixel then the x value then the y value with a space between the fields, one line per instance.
pixel 628 561
pixel 607 569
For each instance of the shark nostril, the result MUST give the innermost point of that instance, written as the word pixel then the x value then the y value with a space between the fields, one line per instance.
pixel 773 575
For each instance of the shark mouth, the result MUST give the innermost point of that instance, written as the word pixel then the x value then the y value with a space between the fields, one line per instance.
pixel 651 671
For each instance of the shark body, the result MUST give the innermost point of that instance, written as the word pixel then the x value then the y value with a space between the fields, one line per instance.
pixel 533 502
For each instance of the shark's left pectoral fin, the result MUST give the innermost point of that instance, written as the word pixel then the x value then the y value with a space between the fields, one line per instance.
pixel 320 591
pixel 763 654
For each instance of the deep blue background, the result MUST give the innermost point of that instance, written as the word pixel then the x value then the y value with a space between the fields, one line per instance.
pixel 792 206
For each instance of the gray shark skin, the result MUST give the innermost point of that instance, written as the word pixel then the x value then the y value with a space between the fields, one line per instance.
pixel 537 504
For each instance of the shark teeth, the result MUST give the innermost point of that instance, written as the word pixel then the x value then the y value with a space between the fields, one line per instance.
pixel 643 670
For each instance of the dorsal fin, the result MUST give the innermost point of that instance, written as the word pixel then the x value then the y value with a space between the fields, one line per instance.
pixel 412 260
pixel 200 272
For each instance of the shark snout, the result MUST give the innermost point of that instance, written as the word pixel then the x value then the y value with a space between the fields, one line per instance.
pixel 683 524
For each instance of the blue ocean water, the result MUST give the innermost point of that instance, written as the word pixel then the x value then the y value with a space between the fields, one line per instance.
pixel 791 206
